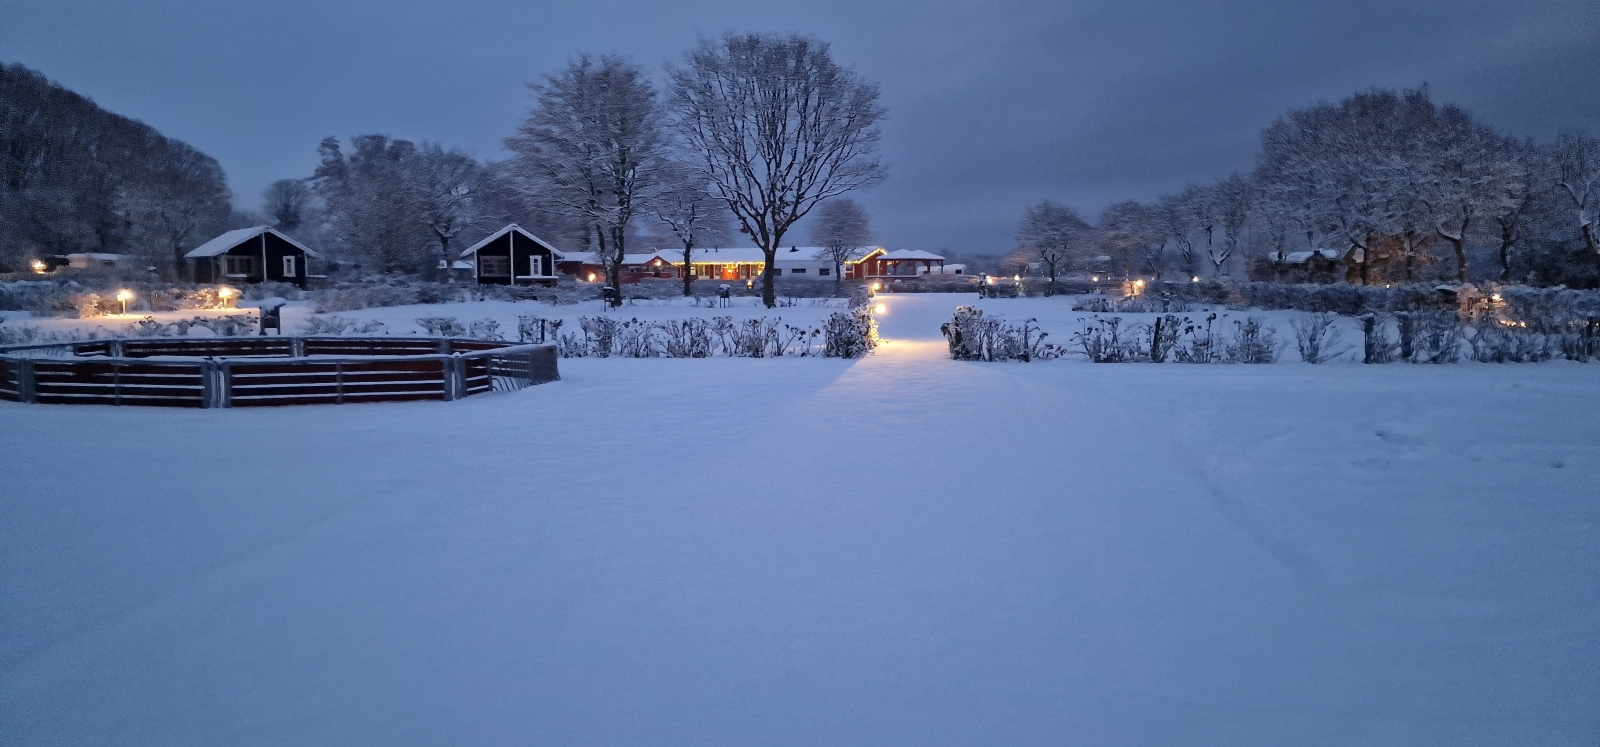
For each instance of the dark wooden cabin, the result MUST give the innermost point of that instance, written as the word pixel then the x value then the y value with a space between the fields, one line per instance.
pixel 511 256
pixel 251 255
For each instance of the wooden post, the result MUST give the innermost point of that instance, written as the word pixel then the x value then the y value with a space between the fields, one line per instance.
pixel 25 383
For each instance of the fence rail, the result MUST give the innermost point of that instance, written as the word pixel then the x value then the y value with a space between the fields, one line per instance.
pixel 274 372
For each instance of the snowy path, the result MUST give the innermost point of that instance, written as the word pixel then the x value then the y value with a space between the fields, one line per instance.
pixel 935 553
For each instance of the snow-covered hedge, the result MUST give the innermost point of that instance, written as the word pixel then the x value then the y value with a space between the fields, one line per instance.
pixel 845 334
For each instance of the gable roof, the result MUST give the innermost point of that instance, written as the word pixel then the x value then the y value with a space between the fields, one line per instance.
pixel 508 229
pixel 911 254
pixel 231 239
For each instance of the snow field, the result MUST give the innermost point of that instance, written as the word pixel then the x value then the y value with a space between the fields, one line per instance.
pixel 902 549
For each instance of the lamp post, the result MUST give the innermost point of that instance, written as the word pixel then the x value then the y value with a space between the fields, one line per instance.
pixel 225 294
pixel 39 266
pixel 124 296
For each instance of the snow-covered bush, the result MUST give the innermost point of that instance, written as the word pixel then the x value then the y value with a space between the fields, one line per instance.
pixel 974 337
pixel 1438 337
pixel 1199 344
pixel 1317 338
pixel 223 326
pixel 1253 342
pixel 687 338
pixel 850 334
pixel 442 326
pixel 1102 341
pixel 485 329
pixel 331 324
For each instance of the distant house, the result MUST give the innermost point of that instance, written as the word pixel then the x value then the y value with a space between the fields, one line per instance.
pixel 747 263
pixel 511 255
pixel 92 261
pixel 251 255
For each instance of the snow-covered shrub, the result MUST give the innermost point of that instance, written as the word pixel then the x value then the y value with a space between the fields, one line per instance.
pixel 1160 337
pixel 1102 341
pixel 850 334
pixel 1376 344
pixel 485 329
pixel 1200 344
pixel 752 339
pixel 1317 338
pixel 687 338
pixel 974 337
pixel 1439 337
pixel 599 335
pixel 442 326
pixel 636 339
pixel 798 340
pixel 17 334
pixel 1253 342
pixel 330 324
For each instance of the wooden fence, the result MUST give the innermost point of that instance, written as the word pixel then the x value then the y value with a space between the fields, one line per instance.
pixel 276 371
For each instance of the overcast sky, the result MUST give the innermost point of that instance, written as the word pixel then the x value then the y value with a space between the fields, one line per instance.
pixel 993 105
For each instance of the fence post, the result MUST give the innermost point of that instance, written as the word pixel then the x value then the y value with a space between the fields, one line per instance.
pixel 338 382
pixel 451 383
pixel 297 347
pixel 224 384
pixel 25 383
pixel 114 349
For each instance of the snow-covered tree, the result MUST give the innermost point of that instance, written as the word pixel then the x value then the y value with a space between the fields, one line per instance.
pixel 1055 235
pixel 444 186
pixel 778 127
pixel 1176 220
pixel 593 147
pixel 1130 227
pixel 841 229
pixel 1232 198
pixel 286 201
pixel 1575 159
pixel 693 215
pixel 372 207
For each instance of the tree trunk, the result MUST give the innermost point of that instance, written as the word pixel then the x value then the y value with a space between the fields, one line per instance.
pixel 769 293
pixel 1461 259
pixel 449 269
pixel 688 270
pixel 177 262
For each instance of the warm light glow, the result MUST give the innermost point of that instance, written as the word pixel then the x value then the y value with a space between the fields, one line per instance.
pixel 1094 278
pixel 991 280
pixel 879 309
pixel 225 293
pixel 876 286
pixel 38 266
pixel 124 295
pixel 1016 278
pixel 1195 279
pixel 591 277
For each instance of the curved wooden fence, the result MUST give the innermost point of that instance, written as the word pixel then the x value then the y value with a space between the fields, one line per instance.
pixel 255 372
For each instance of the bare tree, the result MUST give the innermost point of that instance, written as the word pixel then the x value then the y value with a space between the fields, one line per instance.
pixel 286 201
pixel 1459 171
pixel 1131 226
pixel 694 216
pixel 841 229
pixel 1576 161
pixel 1177 221
pixel 1054 233
pixel 184 192
pixel 779 127
pixel 594 147
pixel 444 184
pixel 1232 199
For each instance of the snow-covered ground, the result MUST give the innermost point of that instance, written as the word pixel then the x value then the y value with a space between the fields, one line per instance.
pixel 901 550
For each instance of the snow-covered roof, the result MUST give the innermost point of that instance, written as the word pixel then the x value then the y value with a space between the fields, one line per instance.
pixel 559 255
pixel 231 239
pixel 583 258
pixel 460 264
pixel 912 254
pixel 726 255
pixel 97 256
pixel 639 259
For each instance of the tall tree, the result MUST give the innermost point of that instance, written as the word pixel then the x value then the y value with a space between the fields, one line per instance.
pixel 444 184
pixel 1232 198
pixel 593 147
pixel 1178 222
pixel 695 217
pixel 285 201
pixel 1131 226
pixel 779 127
pixel 1054 234
pixel 1575 159
pixel 371 204
pixel 841 229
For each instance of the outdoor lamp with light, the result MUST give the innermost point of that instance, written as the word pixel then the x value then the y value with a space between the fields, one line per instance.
pixel 39 266
pixel 124 296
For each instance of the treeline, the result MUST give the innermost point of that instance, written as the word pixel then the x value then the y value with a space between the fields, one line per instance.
pixel 77 178
pixel 1382 187
pixel 752 132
